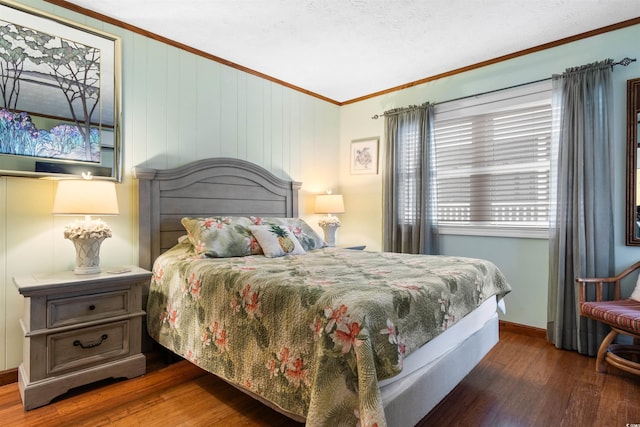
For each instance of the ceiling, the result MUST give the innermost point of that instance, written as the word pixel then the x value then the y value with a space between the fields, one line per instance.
pixel 347 49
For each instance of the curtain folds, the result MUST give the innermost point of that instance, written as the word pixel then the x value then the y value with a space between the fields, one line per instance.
pixel 581 241
pixel 409 191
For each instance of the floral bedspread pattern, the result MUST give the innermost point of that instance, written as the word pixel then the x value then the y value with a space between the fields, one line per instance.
pixel 312 333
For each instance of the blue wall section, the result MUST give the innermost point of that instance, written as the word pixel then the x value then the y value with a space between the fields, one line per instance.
pixel 525 264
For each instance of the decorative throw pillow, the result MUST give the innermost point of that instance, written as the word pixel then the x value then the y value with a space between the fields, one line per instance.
pixel 276 240
pixel 221 237
pixel 635 295
pixel 306 235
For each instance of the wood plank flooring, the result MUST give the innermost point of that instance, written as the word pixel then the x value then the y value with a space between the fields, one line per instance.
pixel 524 381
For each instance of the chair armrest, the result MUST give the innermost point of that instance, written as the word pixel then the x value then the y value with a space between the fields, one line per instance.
pixel 601 282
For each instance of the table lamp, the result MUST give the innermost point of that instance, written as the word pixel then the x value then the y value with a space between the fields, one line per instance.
pixel 86 197
pixel 329 204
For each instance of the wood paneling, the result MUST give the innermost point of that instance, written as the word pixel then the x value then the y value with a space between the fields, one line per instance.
pixel 180 108
pixel 3 273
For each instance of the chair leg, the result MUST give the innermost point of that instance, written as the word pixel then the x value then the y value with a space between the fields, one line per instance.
pixel 601 365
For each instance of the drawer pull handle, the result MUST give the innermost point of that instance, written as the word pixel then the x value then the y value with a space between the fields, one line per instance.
pixel 77 343
pixel 92 307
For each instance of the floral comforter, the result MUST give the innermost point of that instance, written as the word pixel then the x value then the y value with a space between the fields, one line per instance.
pixel 312 333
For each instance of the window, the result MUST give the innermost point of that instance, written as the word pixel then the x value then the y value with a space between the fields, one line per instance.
pixel 492 162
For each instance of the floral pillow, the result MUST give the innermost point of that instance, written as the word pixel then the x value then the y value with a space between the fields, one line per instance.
pixel 276 240
pixel 221 237
pixel 306 235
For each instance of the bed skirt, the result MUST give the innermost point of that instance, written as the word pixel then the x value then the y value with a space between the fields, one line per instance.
pixel 408 400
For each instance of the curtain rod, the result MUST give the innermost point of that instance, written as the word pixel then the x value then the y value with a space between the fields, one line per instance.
pixel 624 62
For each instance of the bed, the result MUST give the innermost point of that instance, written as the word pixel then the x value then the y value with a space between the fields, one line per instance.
pixel 326 336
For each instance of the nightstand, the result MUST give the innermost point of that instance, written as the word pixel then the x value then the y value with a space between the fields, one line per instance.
pixel 79 329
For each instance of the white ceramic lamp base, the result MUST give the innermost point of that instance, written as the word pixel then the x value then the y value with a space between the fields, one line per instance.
pixel 87 236
pixel 330 233
pixel 87 255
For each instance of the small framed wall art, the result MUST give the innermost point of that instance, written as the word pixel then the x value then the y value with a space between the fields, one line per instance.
pixel 364 156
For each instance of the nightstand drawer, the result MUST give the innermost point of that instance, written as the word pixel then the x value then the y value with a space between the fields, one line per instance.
pixel 88 346
pixel 68 311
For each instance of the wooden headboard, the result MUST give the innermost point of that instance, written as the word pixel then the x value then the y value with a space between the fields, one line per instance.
pixel 216 186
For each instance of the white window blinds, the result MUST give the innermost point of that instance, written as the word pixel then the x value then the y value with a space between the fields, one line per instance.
pixel 493 160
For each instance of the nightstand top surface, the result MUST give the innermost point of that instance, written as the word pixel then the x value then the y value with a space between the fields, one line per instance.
pixel 39 283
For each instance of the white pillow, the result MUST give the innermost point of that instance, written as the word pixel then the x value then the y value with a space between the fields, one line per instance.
pixel 635 295
pixel 276 240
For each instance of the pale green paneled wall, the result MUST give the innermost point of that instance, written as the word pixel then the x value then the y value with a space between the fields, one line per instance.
pixel 177 107
pixel 524 261
pixel 3 273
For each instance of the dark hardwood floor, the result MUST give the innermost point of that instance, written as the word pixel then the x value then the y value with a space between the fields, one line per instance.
pixel 524 381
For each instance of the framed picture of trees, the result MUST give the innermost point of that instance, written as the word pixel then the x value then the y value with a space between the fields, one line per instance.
pixel 59 96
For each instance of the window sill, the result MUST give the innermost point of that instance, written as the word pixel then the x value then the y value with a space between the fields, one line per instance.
pixel 520 233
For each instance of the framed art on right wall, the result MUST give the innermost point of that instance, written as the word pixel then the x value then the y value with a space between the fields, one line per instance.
pixel 364 156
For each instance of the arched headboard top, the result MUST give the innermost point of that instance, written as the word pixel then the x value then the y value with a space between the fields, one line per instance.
pixel 217 186
pixel 215 166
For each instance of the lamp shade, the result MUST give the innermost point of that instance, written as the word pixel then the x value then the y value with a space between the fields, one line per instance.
pixel 329 203
pixel 85 197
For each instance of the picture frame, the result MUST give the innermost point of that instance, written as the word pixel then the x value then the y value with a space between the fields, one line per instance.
pixel 364 156
pixel 60 104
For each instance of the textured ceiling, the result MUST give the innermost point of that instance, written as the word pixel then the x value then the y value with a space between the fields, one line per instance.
pixel 346 49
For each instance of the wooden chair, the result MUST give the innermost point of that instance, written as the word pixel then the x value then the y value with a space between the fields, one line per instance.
pixel 623 315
